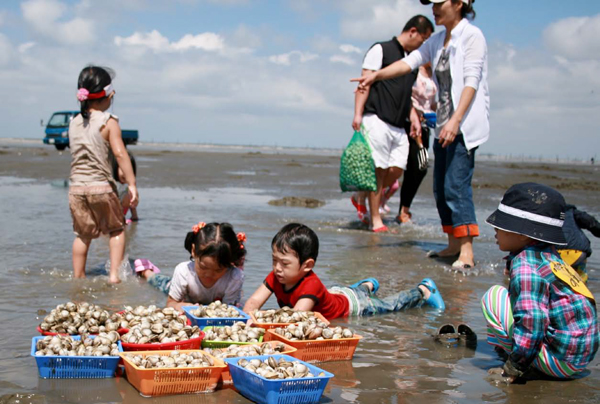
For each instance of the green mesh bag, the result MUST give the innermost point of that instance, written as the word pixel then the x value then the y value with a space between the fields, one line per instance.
pixel 357 169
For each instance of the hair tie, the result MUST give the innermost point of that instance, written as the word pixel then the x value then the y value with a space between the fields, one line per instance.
pixel 242 239
pixel 197 227
pixel 82 94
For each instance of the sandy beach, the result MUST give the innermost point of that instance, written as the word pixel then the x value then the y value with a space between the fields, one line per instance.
pixel 397 361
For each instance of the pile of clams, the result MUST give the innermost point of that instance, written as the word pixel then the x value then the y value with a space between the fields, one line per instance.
pixel 284 315
pixel 151 325
pixel 175 359
pixel 77 319
pixel 238 332
pixel 104 344
pixel 308 331
pixel 272 368
pixel 216 309
pixel 238 351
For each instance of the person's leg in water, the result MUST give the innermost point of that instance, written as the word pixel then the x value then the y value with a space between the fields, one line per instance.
pixel 385 178
pixel 358 199
pixel 80 251
pixel 439 174
pixel 425 293
pixel 116 245
pixel 459 199
pixel 413 177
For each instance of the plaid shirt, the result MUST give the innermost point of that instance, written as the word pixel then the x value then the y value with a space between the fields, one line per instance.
pixel 546 311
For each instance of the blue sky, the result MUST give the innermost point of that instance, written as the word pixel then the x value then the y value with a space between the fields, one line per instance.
pixel 276 72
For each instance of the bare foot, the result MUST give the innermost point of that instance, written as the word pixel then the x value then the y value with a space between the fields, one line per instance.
pixel 146 274
pixel 114 281
pixel 448 252
pixel 467 259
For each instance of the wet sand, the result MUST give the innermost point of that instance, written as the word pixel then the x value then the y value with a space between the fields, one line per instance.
pixel 396 361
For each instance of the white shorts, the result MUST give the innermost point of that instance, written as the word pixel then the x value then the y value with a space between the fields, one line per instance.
pixel 389 144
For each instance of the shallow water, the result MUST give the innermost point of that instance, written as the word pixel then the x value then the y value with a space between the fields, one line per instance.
pixel 396 361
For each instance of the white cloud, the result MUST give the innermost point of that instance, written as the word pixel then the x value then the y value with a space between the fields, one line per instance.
pixel 368 20
pixel 44 17
pixel 24 47
pixel 5 50
pixel 350 49
pixel 575 37
pixel 155 41
pixel 286 58
pixel 347 60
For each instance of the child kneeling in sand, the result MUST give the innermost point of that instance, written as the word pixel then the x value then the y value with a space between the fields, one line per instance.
pixel 546 320
pixel 212 273
pixel 295 249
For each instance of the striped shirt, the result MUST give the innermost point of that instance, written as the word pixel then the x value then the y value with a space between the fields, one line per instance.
pixel 547 311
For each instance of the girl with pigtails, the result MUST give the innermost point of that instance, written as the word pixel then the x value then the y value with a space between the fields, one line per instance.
pixel 93 201
pixel 214 271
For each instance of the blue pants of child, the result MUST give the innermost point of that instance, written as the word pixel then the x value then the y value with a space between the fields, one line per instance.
pixel 365 303
pixel 161 282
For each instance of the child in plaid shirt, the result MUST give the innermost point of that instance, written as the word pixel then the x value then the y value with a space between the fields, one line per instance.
pixel 546 320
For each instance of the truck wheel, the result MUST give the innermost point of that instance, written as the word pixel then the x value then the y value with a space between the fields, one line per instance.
pixel 60 146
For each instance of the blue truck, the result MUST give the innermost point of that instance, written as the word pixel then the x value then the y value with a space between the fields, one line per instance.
pixel 57 130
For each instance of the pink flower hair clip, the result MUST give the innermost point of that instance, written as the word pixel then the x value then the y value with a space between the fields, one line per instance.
pixel 241 238
pixel 82 94
pixel 197 227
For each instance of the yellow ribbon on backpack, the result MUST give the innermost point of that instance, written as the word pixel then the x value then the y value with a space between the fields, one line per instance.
pixel 569 276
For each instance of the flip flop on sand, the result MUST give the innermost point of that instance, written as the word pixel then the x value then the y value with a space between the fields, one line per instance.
pixel 447 335
pixel 466 335
pixel 361 210
pixel 382 229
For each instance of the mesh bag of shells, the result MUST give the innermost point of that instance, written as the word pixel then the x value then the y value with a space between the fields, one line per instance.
pixel 152 328
pixel 63 356
pixel 238 351
pixel 317 342
pixel 284 316
pixel 158 373
pixel 237 334
pixel 214 314
pixel 278 378
pixel 78 319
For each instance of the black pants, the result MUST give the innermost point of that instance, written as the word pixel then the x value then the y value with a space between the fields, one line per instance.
pixel 413 176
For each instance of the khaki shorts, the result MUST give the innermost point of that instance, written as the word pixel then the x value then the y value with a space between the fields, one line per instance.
pixel 95 211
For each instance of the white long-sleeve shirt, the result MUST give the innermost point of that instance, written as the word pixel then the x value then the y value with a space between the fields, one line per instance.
pixel 468 67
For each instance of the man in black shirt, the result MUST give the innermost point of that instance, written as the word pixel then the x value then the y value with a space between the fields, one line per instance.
pixel 384 113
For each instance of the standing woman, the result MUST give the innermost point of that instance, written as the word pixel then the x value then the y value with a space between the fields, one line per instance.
pixel 459 59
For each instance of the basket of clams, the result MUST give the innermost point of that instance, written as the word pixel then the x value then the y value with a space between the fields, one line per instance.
pixel 79 319
pixel 278 379
pixel 77 357
pixel 276 318
pixel 317 342
pixel 237 334
pixel 216 313
pixel 151 328
pixel 158 373
pixel 240 351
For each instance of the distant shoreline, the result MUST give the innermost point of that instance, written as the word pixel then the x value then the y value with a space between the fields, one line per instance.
pixel 223 148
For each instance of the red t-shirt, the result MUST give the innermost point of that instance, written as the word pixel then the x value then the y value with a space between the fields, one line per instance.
pixel 330 305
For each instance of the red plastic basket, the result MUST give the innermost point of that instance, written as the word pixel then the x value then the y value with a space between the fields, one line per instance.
pixel 193 343
pixel 268 326
pixel 164 381
pixel 121 331
pixel 326 350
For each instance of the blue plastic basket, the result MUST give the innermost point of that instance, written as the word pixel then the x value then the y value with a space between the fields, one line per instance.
pixel 212 321
pixel 288 391
pixel 75 367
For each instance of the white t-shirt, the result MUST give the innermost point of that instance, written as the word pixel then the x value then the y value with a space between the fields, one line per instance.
pixel 374 58
pixel 186 286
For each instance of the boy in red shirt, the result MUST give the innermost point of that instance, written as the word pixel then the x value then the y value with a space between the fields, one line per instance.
pixel 295 249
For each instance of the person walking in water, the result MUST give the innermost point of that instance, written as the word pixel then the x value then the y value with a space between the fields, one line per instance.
pixel 459 59
pixel 93 201
pixel 382 112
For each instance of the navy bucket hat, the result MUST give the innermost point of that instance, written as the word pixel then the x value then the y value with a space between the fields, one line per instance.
pixel 534 210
